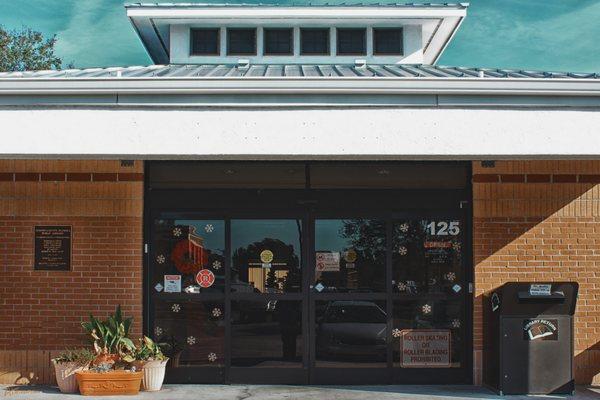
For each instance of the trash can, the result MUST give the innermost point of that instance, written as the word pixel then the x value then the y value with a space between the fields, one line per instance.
pixel 528 338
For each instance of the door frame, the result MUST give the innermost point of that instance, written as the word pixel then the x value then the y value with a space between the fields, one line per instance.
pixel 310 205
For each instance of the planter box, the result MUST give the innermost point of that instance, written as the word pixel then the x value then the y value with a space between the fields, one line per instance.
pixel 109 383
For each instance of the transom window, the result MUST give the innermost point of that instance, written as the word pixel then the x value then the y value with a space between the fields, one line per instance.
pixel 241 41
pixel 279 41
pixel 387 41
pixel 314 41
pixel 204 42
pixel 351 41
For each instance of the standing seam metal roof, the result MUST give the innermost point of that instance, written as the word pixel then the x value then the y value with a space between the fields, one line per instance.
pixel 296 71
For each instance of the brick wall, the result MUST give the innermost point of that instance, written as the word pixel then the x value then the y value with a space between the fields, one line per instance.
pixel 540 221
pixel 42 310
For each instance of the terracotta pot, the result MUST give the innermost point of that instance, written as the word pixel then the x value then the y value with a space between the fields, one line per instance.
pixel 65 376
pixel 154 374
pixel 109 383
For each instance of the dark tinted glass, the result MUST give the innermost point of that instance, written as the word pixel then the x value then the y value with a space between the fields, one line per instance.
pixel 427 256
pixel 266 333
pixel 387 41
pixel 193 332
pixel 351 41
pixel 314 41
pixel 351 334
pixel 241 41
pixel 266 256
pixel 350 255
pixel 205 41
pixel 278 41
pixel 181 249
pixel 428 333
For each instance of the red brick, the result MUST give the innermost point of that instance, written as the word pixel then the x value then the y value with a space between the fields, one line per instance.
pixel 564 178
pixel 129 177
pixel 6 176
pixel 538 178
pixel 79 176
pixel 483 178
pixel 108 177
pixel 53 176
pixel 27 176
pixel 589 178
pixel 512 178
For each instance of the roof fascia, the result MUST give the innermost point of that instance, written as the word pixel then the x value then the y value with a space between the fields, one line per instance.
pixel 305 85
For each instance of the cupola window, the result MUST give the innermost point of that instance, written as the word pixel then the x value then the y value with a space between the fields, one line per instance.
pixel 387 41
pixel 204 42
pixel 279 41
pixel 241 41
pixel 351 41
pixel 314 41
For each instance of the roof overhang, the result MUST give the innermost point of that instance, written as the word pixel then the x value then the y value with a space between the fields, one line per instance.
pixel 152 21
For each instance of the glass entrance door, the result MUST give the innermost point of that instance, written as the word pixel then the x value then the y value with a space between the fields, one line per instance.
pixel 308 297
pixel 267 305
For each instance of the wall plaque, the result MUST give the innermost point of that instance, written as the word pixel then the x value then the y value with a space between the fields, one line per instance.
pixel 52 248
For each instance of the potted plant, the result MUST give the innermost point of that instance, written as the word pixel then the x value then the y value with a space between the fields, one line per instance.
pixel 150 359
pixel 108 374
pixel 66 364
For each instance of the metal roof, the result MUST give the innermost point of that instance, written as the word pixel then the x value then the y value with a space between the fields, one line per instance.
pixel 295 71
pixel 305 4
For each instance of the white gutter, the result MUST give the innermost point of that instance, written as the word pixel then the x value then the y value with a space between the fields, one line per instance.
pixel 302 85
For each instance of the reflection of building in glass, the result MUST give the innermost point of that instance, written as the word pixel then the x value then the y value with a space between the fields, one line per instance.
pixel 260 279
pixel 197 252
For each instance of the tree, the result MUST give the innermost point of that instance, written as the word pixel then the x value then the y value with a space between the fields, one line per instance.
pixel 26 49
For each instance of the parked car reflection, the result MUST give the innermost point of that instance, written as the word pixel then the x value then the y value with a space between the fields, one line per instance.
pixel 352 331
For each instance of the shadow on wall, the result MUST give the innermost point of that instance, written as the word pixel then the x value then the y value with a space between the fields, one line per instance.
pixel 541 224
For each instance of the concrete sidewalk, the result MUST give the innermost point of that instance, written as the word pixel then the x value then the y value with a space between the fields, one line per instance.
pixel 260 392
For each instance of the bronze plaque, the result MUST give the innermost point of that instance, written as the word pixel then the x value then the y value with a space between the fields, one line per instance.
pixel 52 248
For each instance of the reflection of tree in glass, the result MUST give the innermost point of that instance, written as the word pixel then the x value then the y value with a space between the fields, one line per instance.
pixel 284 259
pixel 367 238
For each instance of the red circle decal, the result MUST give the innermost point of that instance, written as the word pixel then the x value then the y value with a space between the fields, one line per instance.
pixel 205 278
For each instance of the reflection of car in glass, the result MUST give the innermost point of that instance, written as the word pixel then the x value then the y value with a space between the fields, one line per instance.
pixel 352 329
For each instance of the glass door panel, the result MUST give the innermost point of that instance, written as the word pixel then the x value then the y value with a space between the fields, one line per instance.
pixel 349 255
pixel 429 290
pixel 187 284
pixel 350 334
pixel 266 256
pixel 267 307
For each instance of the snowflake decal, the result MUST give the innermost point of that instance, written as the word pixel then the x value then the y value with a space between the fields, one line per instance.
pixel 456 323
pixel 456 246
pixel 396 333
pixel 160 259
pixel 217 265
pixel 401 286
pixel 191 340
pixel 209 228
pixel 175 307
pixel 177 232
pixel 216 312
pixel 426 309
pixel 212 357
pixel 402 251
pixel 158 331
pixel 404 227
pixel 451 276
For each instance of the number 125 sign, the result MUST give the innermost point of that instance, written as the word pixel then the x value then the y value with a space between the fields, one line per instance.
pixel 443 228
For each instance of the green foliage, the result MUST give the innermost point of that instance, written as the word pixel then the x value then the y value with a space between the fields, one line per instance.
pixel 27 49
pixel 79 356
pixel 148 350
pixel 112 335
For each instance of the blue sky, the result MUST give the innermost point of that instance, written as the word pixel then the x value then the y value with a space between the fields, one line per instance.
pixel 528 34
